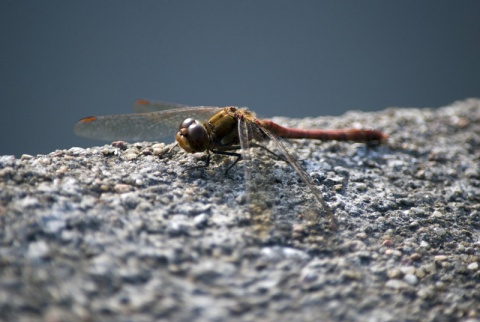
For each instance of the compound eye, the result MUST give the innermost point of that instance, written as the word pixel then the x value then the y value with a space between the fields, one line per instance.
pixel 197 136
pixel 186 123
pixel 192 136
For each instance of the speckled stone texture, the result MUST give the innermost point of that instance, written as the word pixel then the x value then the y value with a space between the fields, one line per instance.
pixel 131 232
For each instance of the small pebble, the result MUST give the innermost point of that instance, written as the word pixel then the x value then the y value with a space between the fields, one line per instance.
pixel 415 256
pixel 410 279
pixel 122 188
pixel 437 214
pixel 473 266
pixel 424 244
pixel 361 236
pixel 396 284
pixel 393 252
pixel 407 270
pixel 440 258
pixel 387 243
pixel 394 273
pixel 420 272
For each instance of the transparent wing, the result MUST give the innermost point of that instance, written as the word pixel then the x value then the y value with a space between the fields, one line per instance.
pixel 303 175
pixel 141 126
pixel 257 178
pixel 145 106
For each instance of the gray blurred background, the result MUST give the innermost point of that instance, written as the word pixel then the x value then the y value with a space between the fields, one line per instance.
pixel 62 60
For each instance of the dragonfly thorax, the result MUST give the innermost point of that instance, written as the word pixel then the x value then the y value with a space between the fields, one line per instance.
pixel 192 136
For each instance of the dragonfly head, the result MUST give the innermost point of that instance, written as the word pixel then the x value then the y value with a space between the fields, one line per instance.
pixel 192 136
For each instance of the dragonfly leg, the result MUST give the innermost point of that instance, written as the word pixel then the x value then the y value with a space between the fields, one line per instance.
pixel 238 157
pixel 233 154
pixel 201 166
pixel 168 151
pixel 279 157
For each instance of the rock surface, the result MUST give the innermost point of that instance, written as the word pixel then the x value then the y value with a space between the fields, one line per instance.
pixel 131 232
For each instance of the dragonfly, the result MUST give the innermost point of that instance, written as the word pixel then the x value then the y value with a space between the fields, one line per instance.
pixel 212 129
